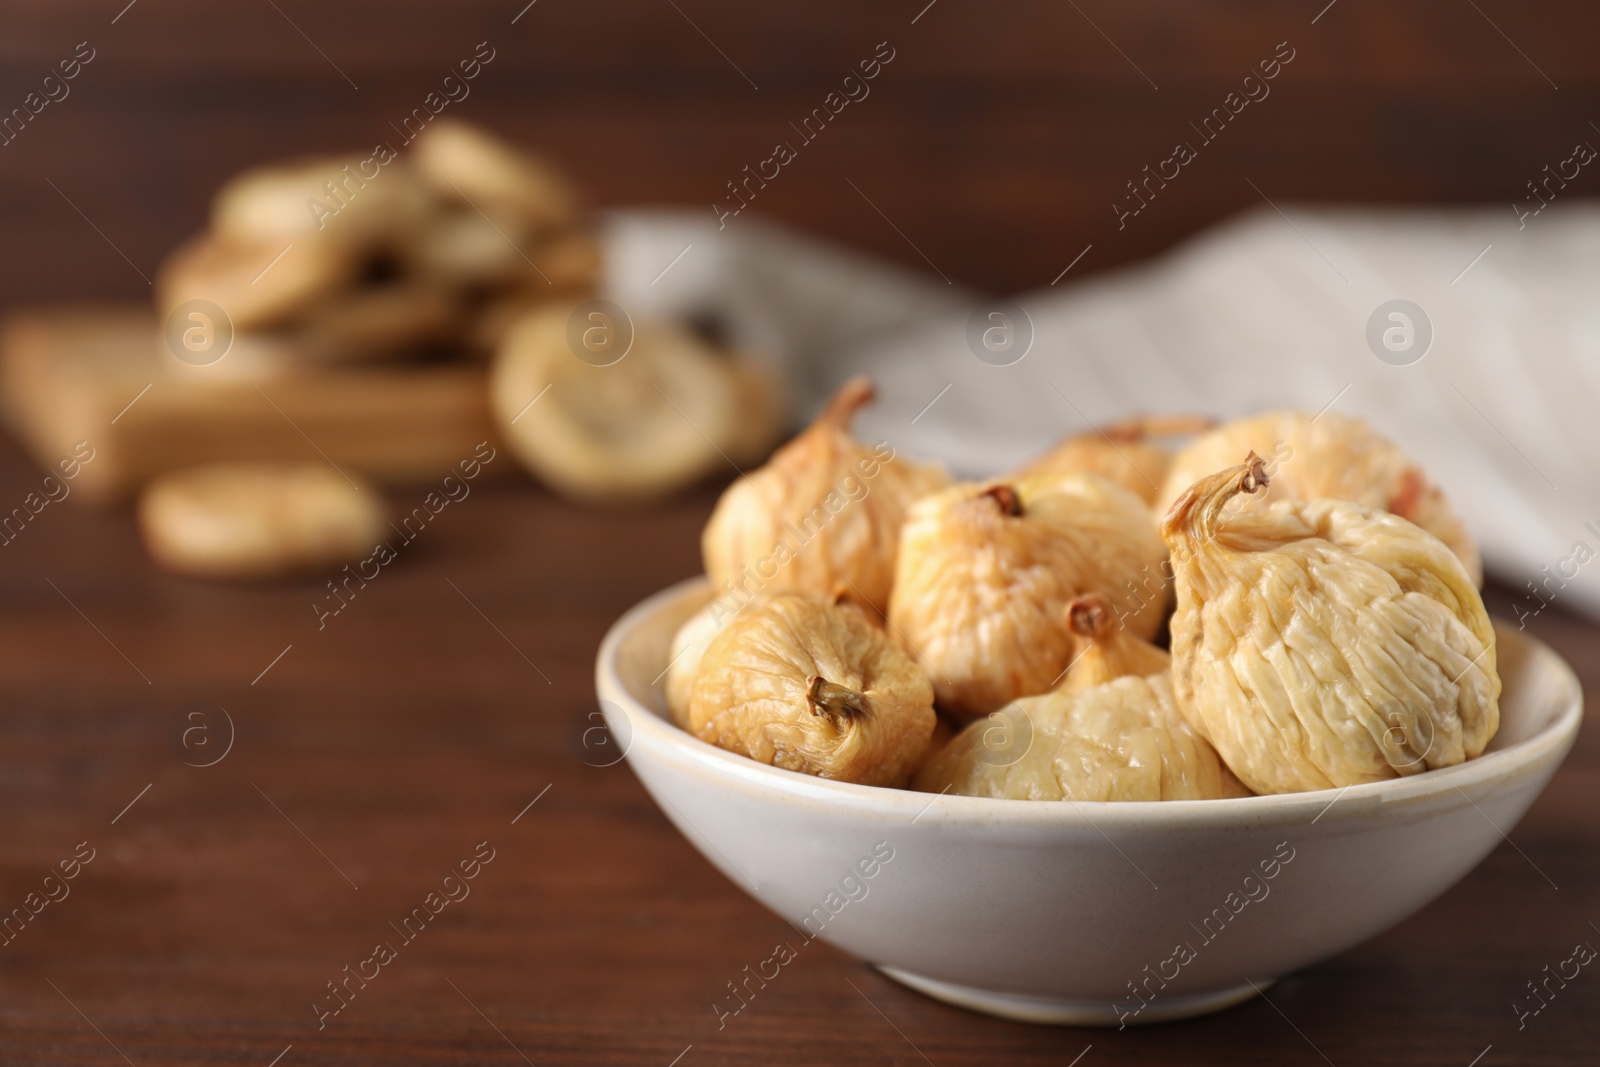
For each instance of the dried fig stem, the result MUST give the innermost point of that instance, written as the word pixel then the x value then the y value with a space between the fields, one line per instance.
pixel 850 398
pixel 1090 615
pixel 826 698
pixel 1005 496
pixel 1255 475
pixel 1194 515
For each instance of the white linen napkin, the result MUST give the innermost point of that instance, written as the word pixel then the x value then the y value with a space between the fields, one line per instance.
pixel 1269 310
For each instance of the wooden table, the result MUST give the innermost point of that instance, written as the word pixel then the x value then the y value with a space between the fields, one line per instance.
pixel 371 757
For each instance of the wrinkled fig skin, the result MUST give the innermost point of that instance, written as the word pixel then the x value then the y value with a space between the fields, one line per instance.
pixel 1111 731
pixel 825 510
pixel 979 591
pixel 1322 644
pixel 1123 740
pixel 1123 452
pixel 1326 456
pixel 811 686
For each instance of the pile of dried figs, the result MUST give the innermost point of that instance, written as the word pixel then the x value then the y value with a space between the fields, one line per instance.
pixel 873 621
pixel 347 261
pixel 464 249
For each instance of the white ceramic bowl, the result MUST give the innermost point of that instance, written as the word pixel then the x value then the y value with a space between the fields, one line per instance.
pixel 1084 913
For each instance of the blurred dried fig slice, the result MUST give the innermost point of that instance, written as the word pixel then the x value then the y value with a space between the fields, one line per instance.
pixel 372 323
pixel 1129 453
pixel 568 263
pixel 1111 731
pixel 1329 456
pixel 258 520
pixel 826 509
pixel 465 249
pixel 254 284
pixel 643 426
pixel 468 164
pixel 346 200
pixel 492 321
pixel 985 571
pixel 460 246
pixel 811 686
pixel 1320 644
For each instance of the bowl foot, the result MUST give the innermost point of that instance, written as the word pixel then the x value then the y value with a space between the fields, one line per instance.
pixel 1060 1012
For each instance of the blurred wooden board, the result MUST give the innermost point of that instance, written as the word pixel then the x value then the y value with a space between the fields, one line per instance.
pixel 97 373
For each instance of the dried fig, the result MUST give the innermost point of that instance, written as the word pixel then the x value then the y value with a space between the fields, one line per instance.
pixel 570 262
pixel 258 520
pixel 1106 651
pixel 688 650
pixel 1129 453
pixel 825 509
pixel 375 323
pixel 459 246
pixel 1327 456
pixel 315 200
pixel 258 286
pixel 1321 643
pixel 464 162
pixel 985 572
pixel 691 640
pixel 652 422
pixel 811 686
pixel 1111 731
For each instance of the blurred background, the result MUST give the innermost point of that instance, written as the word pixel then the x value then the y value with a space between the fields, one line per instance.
pixel 451 701
pixel 997 139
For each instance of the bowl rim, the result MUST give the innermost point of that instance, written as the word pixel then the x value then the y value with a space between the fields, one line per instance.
pixel 673 744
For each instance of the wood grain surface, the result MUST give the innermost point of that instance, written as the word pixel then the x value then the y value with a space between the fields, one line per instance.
pixel 996 141
pixel 372 756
